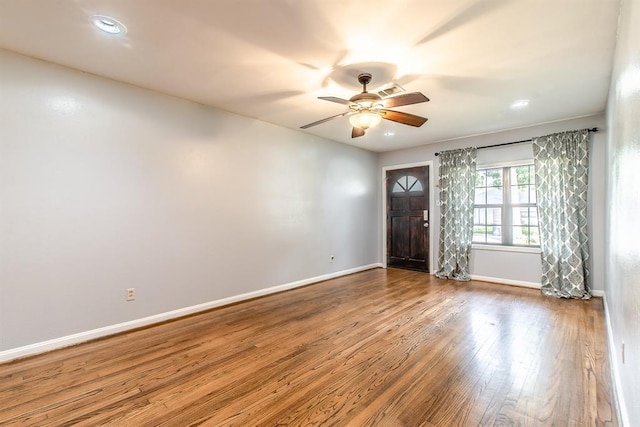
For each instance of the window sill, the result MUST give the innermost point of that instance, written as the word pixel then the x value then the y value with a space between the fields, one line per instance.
pixel 499 248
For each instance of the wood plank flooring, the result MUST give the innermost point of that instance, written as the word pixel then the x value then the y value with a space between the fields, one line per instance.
pixel 377 348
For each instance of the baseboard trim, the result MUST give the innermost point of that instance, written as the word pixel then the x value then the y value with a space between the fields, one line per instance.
pixel 522 284
pixel 66 341
pixel 615 373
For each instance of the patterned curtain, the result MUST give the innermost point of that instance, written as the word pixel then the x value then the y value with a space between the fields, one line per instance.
pixel 457 182
pixel 561 161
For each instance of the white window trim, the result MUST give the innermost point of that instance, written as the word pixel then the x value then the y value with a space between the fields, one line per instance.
pixel 506 248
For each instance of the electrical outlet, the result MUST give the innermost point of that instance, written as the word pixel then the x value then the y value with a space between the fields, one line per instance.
pixel 131 294
pixel 622 351
pixel 331 258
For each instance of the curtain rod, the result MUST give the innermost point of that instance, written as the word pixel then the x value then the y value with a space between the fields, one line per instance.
pixel 516 142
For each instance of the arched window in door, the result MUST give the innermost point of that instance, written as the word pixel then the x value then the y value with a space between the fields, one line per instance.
pixel 407 184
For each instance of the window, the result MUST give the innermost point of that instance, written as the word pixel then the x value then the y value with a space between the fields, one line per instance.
pixel 407 183
pixel 505 211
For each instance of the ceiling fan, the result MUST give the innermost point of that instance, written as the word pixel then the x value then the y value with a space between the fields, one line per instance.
pixel 368 109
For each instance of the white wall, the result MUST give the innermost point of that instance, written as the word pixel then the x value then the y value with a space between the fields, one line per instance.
pixel 518 267
pixel 623 219
pixel 106 186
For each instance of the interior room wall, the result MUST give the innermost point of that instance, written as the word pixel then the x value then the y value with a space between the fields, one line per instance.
pixel 521 268
pixel 623 202
pixel 105 186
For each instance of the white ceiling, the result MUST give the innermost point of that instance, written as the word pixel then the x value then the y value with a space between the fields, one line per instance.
pixel 271 59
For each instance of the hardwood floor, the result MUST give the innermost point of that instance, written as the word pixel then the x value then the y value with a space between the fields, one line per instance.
pixel 377 348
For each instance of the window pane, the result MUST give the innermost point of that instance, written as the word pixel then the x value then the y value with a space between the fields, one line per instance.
pixel 526 235
pixel 532 194
pixel 480 234
pixel 520 235
pixel 534 236
pixel 494 234
pixel 533 216
pixel 411 180
pixel 519 194
pixel 520 175
pixel 417 186
pixel 481 196
pixel 494 216
pixel 513 176
pixel 480 216
pixel 397 188
pixel 520 216
pixel 494 177
pixel 494 195
pixel 481 178
pixel 532 174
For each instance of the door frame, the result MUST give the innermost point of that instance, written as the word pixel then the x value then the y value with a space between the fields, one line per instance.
pixel 384 208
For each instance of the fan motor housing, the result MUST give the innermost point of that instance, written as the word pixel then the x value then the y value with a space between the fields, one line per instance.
pixel 365 98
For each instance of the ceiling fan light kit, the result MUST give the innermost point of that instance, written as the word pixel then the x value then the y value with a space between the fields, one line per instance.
pixel 365 119
pixel 367 110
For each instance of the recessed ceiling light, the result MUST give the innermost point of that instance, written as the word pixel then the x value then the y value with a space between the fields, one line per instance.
pixel 521 103
pixel 108 24
pixel 389 133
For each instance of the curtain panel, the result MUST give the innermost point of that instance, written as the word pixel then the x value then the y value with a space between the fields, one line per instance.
pixel 561 162
pixel 457 186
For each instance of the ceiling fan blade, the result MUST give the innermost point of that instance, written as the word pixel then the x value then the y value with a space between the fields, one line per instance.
pixel 334 99
pixel 404 118
pixel 404 99
pixel 326 119
pixel 356 132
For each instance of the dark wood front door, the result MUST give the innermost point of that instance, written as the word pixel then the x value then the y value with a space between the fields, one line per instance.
pixel 408 218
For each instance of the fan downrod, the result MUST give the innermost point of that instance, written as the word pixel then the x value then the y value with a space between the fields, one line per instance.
pixel 364 79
